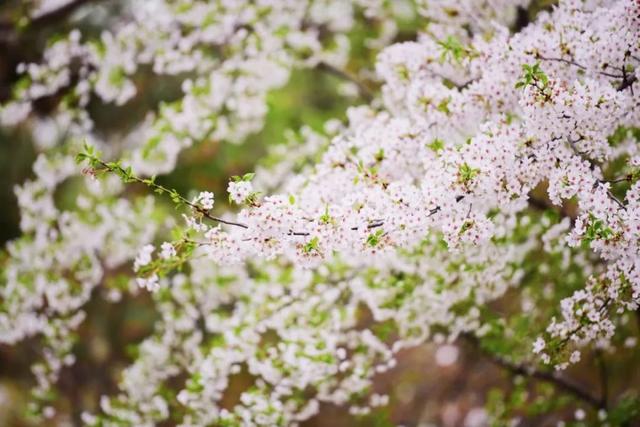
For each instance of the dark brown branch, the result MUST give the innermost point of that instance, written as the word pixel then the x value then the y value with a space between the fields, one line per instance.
pixel 604 380
pixel 204 212
pixel 543 204
pixel 566 61
pixel 627 178
pixel 554 378
pixel 119 170
pixel 59 14
pixel 522 19
pixel 369 226
pixel 539 204
pixel 550 377
pixel 627 80
pixel 362 88
pixel 10 35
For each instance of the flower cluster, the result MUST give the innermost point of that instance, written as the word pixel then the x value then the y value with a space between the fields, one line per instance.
pixel 233 52
pixel 499 157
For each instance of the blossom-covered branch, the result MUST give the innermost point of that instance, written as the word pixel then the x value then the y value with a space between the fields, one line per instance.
pixel 491 168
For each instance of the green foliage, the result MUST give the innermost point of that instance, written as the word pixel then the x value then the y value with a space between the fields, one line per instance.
pixel 374 238
pixel 443 106
pixel 525 397
pixel 626 412
pixel 325 218
pixel 194 384
pixel 532 75
pixel 96 165
pixel 378 418
pixel 452 49
pixel 379 156
pixel 117 76
pixel 311 245
pixel 597 229
pixel 436 145
pixel 403 72
pixel 466 174
pixel 246 177
pixel 466 225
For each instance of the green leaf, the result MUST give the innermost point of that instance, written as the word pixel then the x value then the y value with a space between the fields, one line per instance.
pixel 374 238
pixel 436 145
pixel 466 173
pixel 325 218
pixel 466 226
pixel 532 74
pixel 443 106
pixel 311 245
pixel 453 49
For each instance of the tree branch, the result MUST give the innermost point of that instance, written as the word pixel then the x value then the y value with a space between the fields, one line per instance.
pixel 362 88
pixel 627 80
pixel 10 35
pixel 543 204
pixel 58 14
pixel 554 378
pixel 96 164
pixel 604 379
pixel 127 176
pixel 162 189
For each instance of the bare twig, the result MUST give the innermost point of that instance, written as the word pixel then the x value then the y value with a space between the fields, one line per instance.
pixel 627 80
pixel 204 212
pixel 626 178
pixel 566 61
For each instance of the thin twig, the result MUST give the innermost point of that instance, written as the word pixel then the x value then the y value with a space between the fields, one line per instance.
pixel 199 209
pixel 206 213
pixel 627 81
pixel 566 61
pixel 627 178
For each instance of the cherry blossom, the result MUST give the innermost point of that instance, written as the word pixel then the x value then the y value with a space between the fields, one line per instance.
pixel 495 152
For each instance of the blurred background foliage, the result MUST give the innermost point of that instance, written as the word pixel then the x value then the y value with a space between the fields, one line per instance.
pixel 107 338
pixel 422 388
